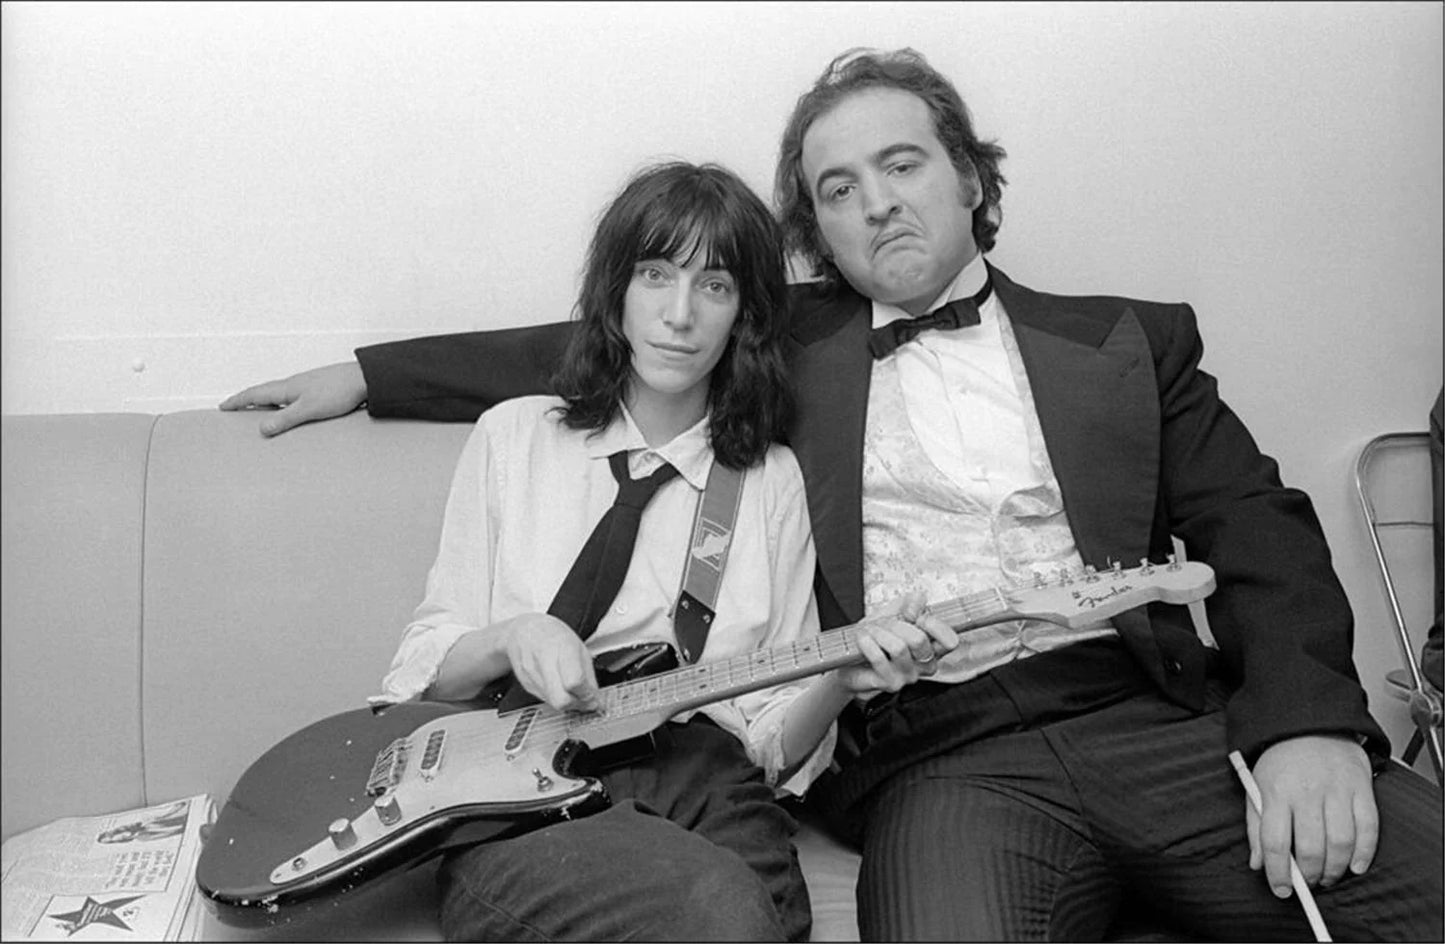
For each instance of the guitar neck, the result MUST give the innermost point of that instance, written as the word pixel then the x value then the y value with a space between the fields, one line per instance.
pixel 692 686
pixel 1074 601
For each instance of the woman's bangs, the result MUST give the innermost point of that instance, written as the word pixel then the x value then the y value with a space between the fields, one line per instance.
pixel 679 233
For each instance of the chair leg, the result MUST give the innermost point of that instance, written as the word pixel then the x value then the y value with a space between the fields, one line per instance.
pixel 1426 712
pixel 1432 742
pixel 1412 750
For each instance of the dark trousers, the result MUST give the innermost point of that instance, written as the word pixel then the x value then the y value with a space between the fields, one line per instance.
pixel 694 848
pixel 1081 788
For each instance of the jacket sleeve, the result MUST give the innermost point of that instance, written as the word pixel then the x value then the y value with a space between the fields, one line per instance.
pixel 454 377
pixel 1281 619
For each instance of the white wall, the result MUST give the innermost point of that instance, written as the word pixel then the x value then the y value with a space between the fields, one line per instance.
pixel 198 197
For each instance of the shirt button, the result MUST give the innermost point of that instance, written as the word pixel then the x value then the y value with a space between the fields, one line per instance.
pixel 619 609
pixel 1173 667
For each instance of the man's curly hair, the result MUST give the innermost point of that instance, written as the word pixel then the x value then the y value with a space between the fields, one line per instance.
pixel 906 70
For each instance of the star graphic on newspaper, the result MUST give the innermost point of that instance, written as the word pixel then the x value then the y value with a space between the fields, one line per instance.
pixel 95 912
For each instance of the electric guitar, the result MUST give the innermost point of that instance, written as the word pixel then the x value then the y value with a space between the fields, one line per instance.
pixel 368 792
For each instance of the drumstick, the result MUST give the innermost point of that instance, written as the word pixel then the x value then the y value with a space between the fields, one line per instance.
pixel 1296 878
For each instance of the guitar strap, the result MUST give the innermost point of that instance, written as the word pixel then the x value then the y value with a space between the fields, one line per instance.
pixel 707 553
pixel 693 613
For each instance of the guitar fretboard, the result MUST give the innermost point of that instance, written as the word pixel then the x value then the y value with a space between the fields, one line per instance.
pixel 1073 600
pixel 703 683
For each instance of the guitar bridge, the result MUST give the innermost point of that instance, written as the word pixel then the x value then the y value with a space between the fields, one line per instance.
pixel 387 770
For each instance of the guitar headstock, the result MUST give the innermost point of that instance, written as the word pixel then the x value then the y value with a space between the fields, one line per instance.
pixel 1084 599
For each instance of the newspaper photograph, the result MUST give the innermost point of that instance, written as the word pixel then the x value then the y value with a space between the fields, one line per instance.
pixel 127 876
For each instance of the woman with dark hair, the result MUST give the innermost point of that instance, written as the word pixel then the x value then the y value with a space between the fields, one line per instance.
pixel 672 213
pixel 675 368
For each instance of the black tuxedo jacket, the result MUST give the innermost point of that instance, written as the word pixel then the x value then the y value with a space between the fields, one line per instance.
pixel 1142 446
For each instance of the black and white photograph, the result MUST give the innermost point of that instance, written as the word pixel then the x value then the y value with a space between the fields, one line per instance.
pixel 735 471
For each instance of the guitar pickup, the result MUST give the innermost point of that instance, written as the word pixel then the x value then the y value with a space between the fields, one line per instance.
pixel 519 731
pixel 432 754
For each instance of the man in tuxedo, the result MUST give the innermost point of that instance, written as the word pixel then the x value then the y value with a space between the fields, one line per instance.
pixel 958 431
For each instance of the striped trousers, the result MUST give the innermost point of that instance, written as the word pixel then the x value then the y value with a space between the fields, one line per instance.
pixel 1084 791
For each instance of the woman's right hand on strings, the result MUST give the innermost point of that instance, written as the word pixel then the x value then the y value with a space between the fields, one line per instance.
pixel 551 662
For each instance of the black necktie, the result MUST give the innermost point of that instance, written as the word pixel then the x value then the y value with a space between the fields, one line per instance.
pixel 597 574
pixel 959 313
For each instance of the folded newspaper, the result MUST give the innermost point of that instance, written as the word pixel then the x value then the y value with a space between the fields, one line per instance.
pixel 128 876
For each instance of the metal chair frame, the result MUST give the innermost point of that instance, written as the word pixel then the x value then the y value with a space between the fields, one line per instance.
pixel 1424 702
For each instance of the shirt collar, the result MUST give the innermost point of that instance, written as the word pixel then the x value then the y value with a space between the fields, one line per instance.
pixel 689 451
pixel 966 284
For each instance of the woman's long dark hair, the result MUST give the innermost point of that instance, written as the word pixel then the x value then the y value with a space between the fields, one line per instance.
pixel 674 211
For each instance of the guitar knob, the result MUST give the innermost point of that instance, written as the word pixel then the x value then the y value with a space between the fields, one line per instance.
pixel 342 835
pixel 387 810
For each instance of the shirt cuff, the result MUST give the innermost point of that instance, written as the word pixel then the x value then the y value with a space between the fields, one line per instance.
pixel 814 766
pixel 415 666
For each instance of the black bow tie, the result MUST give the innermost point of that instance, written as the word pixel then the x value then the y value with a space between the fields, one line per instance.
pixel 959 313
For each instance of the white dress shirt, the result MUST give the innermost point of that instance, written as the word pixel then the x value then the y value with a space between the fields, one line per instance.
pixel 959 495
pixel 528 492
pixel 979 440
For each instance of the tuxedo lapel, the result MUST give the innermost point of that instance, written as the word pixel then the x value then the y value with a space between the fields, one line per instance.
pixel 1092 376
pixel 832 369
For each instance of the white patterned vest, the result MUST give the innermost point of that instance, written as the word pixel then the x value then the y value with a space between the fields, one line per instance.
pixel 923 531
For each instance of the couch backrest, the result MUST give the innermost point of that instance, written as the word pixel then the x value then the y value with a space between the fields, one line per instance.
pixel 261 584
pixel 71 502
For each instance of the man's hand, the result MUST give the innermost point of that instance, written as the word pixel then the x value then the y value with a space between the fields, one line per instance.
pixel 900 650
pixel 1318 802
pixel 551 662
pixel 317 394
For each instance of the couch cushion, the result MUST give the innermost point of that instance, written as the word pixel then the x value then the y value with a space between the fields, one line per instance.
pixel 71 497
pixel 831 869
pixel 279 576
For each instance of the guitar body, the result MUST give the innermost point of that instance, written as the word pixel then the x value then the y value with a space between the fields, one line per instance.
pixel 303 823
